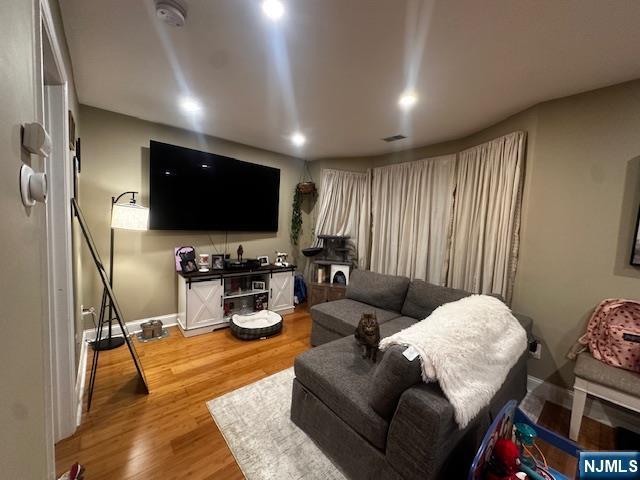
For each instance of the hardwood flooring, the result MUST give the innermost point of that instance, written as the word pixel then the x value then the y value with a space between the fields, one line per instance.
pixel 169 434
pixel 593 436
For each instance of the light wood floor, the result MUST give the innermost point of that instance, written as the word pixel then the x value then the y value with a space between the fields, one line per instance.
pixel 169 434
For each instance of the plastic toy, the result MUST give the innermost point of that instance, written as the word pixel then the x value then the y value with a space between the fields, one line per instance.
pixel 504 462
pixel 510 430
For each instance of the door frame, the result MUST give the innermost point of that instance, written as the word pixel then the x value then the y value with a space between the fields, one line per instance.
pixel 59 349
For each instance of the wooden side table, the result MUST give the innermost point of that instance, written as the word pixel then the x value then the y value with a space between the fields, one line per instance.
pixel 325 292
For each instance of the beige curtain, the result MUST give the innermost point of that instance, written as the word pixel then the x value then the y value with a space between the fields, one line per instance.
pixel 411 211
pixel 486 216
pixel 345 199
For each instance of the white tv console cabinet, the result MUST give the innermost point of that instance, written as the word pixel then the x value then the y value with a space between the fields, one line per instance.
pixel 207 300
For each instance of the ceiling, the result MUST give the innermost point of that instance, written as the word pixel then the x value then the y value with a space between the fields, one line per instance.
pixel 334 69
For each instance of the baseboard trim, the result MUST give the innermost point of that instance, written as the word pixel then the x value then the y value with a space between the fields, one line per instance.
pixel 81 377
pixel 595 408
pixel 169 320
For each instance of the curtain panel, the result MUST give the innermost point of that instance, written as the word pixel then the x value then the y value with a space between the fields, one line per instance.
pixel 486 216
pixel 345 199
pixel 411 210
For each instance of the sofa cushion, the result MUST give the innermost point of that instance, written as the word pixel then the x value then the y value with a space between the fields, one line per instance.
pixel 342 316
pixel 383 291
pixel 337 374
pixel 423 298
pixel 393 375
pixel 395 325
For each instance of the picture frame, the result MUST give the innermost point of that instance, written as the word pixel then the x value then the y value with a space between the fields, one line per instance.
pixel 635 248
pixel 188 265
pixel 264 261
pixel 258 285
pixel 78 156
pixel 217 262
pixel 77 168
pixel 181 253
pixel 260 301
pixel 72 131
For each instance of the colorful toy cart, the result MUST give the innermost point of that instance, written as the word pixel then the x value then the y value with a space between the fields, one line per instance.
pixel 512 424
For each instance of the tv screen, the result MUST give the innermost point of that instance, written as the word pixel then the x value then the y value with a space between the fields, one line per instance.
pixel 193 190
pixel 635 251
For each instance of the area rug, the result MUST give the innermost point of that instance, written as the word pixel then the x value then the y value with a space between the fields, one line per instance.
pixel 254 421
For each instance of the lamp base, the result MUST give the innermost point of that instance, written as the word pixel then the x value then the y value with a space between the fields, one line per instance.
pixel 108 343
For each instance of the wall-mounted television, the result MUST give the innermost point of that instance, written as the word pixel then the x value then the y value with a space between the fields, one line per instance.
pixel 635 250
pixel 194 190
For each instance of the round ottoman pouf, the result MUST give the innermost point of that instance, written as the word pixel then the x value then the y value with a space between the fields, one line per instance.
pixel 252 326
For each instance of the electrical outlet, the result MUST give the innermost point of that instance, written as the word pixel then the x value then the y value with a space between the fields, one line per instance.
pixel 535 349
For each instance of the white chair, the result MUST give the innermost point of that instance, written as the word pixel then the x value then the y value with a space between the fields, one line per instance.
pixel 598 379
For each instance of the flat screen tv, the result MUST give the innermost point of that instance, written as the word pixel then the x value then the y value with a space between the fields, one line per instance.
pixel 635 251
pixel 193 190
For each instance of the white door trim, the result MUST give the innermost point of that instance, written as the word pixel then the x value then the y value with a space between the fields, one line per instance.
pixel 46 338
pixel 60 368
pixel 61 300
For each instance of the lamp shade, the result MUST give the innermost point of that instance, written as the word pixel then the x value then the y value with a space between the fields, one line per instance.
pixel 129 216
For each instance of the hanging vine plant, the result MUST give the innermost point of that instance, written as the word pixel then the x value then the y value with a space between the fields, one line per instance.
pixel 296 216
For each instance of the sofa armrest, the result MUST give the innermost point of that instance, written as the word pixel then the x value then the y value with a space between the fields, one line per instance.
pixel 424 439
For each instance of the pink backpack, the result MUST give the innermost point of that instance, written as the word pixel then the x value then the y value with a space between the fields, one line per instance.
pixel 613 333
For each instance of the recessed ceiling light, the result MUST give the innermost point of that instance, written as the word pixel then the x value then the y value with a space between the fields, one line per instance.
pixel 190 105
pixel 274 9
pixel 407 100
pixel 298 139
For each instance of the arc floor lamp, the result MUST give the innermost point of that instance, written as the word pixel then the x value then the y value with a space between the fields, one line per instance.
pixel 125 216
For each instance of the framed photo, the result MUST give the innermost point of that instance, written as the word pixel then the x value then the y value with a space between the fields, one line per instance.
pixel 264 261
pixel 77 168
pixel 188 264
pixel 217 262
pixel 258 286
pixel 72 132
pixel 184 255
pixel 260 301
pixel 635 250
pixel 78 155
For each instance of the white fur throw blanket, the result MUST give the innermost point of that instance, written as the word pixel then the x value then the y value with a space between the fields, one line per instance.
pixel 468 346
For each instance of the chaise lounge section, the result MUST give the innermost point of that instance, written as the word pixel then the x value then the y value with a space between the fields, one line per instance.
pixel 381 420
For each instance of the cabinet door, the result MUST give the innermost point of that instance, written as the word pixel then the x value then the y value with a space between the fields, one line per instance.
pixel 281 291
pixel 336 293
pixel 204 303
pixel 317 294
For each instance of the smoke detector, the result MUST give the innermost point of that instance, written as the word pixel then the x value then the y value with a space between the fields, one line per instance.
pixel 171 12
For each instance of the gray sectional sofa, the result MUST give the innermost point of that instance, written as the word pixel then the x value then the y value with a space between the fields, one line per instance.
pixel 380 420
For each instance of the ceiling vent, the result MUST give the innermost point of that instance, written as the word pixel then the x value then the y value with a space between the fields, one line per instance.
pixel 171 12
pixel 394 138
